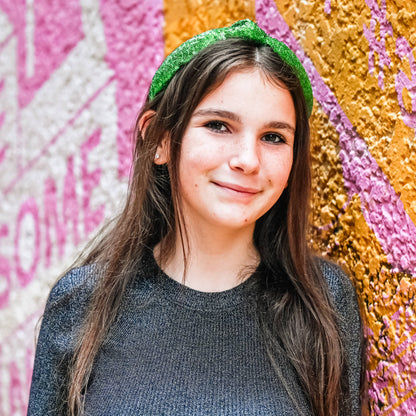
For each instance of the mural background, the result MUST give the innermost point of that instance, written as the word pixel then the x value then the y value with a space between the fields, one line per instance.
pixel 73 75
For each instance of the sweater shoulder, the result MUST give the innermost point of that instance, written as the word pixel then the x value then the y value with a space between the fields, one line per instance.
pixel 74 288
pixel 340 285
pixel 343 296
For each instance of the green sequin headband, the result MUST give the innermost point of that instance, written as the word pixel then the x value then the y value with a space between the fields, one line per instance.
pixel 243 29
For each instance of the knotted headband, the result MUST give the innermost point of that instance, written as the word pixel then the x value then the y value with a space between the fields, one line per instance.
pixel 243 29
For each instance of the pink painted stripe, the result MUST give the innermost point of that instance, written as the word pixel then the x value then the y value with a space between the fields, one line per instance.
pixel 399 395
pixel 135 48
pixel 327 7
pixel 54 139
pixel 6 40
pixel 380 379
pixel 3 151
pixel 404 348
pixel 381 206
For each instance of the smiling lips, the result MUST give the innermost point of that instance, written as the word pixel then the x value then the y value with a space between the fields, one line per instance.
pixel 242 190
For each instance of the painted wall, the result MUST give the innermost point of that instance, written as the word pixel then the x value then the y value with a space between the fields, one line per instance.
pixel 73 75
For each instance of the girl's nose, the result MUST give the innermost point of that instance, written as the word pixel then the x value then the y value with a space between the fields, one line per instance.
pixel 245 157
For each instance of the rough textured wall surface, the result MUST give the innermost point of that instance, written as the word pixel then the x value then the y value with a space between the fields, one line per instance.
pixel 72 79
pixel 360 57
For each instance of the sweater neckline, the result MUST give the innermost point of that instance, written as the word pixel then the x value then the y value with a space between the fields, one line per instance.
pixel 176 292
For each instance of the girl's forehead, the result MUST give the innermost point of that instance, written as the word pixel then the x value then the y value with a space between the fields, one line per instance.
pixel 248 82
pixel 251 74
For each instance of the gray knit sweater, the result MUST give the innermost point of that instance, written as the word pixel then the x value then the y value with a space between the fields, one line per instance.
pixel 177 351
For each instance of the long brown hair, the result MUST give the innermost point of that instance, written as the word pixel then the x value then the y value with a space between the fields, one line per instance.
pixel 293 305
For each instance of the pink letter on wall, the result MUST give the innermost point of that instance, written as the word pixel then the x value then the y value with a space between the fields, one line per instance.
pixel 51 215
pixel 57 30
pixel 29 208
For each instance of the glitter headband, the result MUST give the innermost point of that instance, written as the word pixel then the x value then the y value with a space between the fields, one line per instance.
pixel 243 29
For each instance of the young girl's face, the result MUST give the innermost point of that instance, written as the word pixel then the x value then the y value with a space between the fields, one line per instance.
pixel 237 152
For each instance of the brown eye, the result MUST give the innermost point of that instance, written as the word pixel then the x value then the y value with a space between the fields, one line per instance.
pixel 273 138
pixel 218 126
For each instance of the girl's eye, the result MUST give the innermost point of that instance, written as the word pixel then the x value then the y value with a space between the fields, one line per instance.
pixel 273 138
pixel 218 126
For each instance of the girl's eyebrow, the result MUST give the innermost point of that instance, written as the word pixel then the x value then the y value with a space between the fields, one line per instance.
pixel 279 125
pixel 213 112
pixel 217 113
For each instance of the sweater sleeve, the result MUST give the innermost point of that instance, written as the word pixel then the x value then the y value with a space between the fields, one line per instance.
pixel 345 301
pixel 62 319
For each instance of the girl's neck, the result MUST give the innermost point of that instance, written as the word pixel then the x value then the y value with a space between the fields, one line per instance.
pixel 215 261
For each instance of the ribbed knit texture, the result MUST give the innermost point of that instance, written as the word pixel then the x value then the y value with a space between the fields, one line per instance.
pixel 175 351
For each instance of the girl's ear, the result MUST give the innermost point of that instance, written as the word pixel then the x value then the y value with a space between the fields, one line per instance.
pixel 162 153
pixel 144 121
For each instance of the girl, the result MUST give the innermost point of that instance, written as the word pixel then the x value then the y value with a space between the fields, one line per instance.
pixel 203 297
